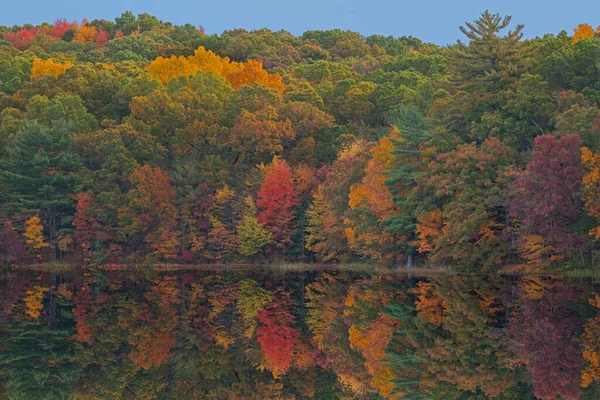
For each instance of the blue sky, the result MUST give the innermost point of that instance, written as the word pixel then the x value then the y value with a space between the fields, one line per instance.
pixel 434 21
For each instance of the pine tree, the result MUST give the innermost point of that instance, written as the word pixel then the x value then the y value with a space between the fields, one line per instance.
pixel 410 162
pixel 39 172
pixel 487 58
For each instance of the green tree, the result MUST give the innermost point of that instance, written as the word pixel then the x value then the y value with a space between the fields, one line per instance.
pixel 39 171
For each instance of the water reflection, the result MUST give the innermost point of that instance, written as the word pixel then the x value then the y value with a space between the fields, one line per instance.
pixel 121 334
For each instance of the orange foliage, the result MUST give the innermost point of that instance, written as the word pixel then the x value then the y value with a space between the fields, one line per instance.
pixel 371 341
pixel 372 194
pixel 591 186
pixel 48 67
pixel 237 74
pixel 86 33
pixel 583 31
pixel 429 228
pixel 429 306
pixel 591 348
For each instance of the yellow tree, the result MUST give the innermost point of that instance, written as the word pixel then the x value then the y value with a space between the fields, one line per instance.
pixel 237 74
pixel 34 233
pixel 49 67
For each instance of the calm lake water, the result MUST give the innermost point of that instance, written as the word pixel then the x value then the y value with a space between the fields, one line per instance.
pixel 189 334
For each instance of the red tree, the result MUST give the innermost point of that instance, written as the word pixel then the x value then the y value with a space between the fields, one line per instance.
pixel 12 248
pixel 277 200
pixel 548 199
pixel 22 38
pixel 61 26
pixel 86 226
pixel 102 38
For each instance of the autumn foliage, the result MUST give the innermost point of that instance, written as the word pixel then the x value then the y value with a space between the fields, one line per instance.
pixel 237 74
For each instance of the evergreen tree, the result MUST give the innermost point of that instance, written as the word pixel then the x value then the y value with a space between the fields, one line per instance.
pixel 410 163
pixel 488 57
pixel 39 173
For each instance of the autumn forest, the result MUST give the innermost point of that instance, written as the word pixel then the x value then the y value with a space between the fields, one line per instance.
pixel 136 141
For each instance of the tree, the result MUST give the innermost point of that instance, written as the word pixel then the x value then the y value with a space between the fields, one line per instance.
pixel 548 195
pixel 411 160
pixel 49 67
pixel 467 186
pixel 488 59
pixel 583 31
pixel 253 237
pixel 277 201
pixel 371 205
pixel 149 214
pixel 39 172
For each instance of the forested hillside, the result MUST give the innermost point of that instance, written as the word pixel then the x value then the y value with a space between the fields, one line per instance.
pixel 141 141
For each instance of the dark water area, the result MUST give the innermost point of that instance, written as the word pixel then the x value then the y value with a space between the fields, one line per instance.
pixel 190 334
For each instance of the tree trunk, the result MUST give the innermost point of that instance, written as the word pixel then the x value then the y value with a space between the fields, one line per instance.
pixel 409 262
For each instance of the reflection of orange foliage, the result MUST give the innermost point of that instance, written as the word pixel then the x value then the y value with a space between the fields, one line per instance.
pixel 371 341
pixel 34 301
pixel 591 348
pixel 238 74
pixel 429 306
pixel 534 287
pixel 152 348
pixel 277 338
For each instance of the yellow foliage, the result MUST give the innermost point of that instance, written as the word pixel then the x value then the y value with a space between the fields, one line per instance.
pixel 237 74
pixel 535 249
pixel 224 195
pixel 48 67
pixel 34 233
pixel 34 301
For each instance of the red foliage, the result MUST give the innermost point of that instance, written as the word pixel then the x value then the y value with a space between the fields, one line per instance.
pixel 61 26
pixel 102 38
pixel 277 200
pixel 12 248
pixel 277 337
pixel 545 335
pixel 548 194
pixel 86 226
pixel 22 38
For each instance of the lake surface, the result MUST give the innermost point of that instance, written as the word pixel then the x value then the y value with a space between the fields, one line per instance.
pixel 190 334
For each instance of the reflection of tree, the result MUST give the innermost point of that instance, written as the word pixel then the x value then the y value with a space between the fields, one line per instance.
pixel 467 350
pixel 261 335
pixel 545 332
pixel 38 361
